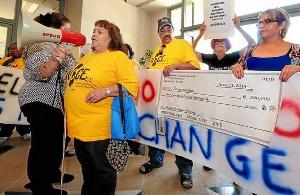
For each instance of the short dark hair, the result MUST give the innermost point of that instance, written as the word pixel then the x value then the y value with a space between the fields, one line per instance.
pixel 116 42
pixel 11 45
pixel 54 19
pixel 130 50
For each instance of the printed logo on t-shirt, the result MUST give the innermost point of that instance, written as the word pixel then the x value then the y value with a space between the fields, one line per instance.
pixel 10 63
pixel 79 74
pixel 159 56
pixel 219 68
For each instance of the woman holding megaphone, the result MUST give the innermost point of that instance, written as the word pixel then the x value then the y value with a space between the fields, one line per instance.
pixel 40 99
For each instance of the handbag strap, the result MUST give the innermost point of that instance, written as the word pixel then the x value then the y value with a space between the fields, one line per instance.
pixel 120 87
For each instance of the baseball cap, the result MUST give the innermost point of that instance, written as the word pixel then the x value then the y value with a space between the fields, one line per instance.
pixel 163 22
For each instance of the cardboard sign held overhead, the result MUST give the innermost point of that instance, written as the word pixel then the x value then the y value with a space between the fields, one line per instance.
pixel 218 15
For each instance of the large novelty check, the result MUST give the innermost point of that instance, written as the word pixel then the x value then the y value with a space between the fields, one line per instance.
pixel 246 107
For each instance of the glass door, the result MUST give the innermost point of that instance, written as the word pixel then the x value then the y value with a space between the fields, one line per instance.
pixel 5 37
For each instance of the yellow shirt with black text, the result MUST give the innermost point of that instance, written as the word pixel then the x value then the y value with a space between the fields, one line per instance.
pixel 12 62
pixel 91 121
pixel 176 52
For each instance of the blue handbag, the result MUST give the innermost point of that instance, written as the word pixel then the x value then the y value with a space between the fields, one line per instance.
pixel 124 118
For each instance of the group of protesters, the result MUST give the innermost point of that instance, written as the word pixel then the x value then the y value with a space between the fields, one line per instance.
pixel 52 92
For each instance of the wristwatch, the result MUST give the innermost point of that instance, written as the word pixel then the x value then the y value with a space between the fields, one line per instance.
pixel 108 91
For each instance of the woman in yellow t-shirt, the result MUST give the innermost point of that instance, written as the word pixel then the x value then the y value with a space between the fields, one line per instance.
pixel 91 87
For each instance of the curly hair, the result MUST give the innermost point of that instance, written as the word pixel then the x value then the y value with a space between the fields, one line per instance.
pixel 54 19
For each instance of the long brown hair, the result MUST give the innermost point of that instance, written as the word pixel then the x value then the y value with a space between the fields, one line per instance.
pixel 116 42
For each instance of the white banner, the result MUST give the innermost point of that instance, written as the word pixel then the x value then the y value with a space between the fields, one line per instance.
pixel 218 15
pixel 259 169
pixel 262 170
pixel 11 80
pixel 245 107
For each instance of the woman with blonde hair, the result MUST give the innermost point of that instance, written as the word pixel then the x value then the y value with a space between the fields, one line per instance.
pixel 273 53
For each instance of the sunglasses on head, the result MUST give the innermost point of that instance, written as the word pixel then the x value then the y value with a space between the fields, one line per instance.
pixel 219 41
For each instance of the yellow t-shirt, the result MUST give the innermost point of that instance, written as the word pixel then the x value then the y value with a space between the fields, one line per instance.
pixel 13 63
pixel 175 52
pixel 91 121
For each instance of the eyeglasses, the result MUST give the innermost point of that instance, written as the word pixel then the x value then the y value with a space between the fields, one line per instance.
pixel 220 41
pixel 266 22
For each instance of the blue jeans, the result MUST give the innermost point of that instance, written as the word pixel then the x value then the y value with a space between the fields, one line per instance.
pixel 157 159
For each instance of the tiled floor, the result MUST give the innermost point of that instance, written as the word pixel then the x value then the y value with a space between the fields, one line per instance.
pixel 159 182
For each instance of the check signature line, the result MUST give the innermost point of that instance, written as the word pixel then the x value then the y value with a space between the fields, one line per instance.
pixel 240 124
pixel 221 130
pixel 221 96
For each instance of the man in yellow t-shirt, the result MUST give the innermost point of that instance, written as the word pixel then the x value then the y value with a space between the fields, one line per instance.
pixel 14 60
pixel 171 54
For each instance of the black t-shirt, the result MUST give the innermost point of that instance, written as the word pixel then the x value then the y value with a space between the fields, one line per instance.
pixel 224 64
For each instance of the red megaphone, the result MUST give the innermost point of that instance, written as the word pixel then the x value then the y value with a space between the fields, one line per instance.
pixel 30 31
pixel 75 38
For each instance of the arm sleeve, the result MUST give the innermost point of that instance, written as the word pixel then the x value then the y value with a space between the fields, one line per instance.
pixel 34 56
pixel 126 75
pixel 207 58
pixel 243 59
pixel 295 54
pixel 189 55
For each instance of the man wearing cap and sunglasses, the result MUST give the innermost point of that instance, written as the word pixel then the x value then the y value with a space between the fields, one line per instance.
pixel 171 54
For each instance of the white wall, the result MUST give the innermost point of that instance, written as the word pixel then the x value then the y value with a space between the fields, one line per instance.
pixel 73 10
pixel 138 27
pixel 133 22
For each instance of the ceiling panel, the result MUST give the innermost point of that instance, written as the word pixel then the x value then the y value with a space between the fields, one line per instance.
pixel 153 5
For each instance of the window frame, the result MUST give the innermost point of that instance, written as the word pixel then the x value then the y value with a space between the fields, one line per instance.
pixel 293 10
pixel 13 23
pixel 176 6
